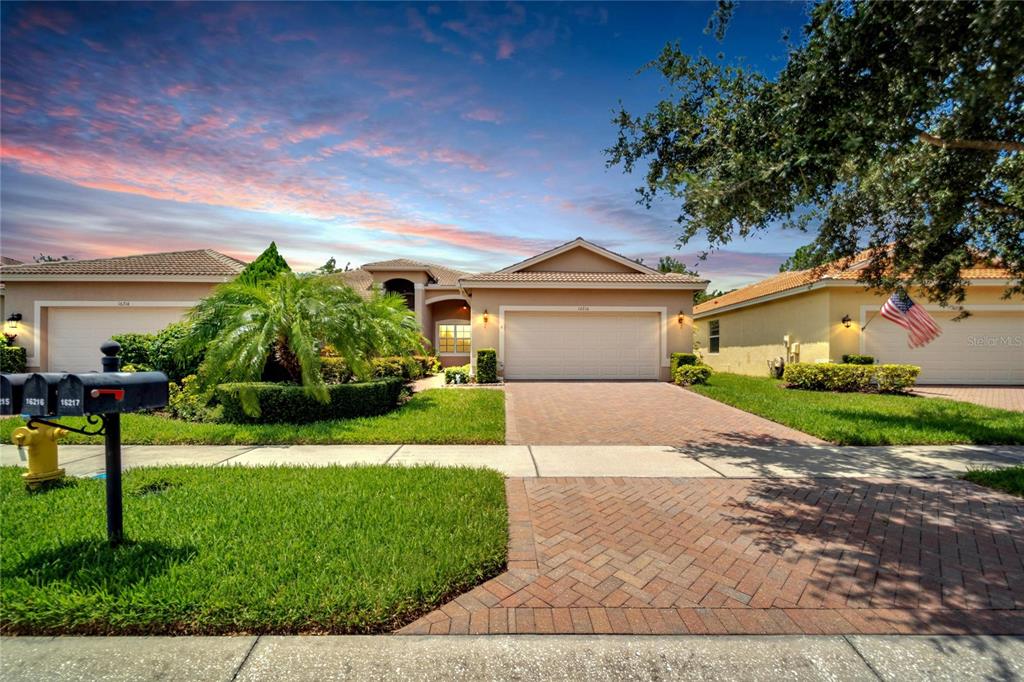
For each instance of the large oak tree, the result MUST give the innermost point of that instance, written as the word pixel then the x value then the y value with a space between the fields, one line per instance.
pixel 897 126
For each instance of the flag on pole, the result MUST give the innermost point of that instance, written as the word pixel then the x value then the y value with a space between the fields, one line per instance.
pixel 921 328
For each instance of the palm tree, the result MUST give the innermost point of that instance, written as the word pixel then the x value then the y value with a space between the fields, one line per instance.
pixel 293 316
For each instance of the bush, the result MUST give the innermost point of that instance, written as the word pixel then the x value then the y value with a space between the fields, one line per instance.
pixel 896 378
pixel 136 350
pixel 456 375
pixel 335 371
pixel 165 355
pixel 291 403
pixel 186 402
pixel 682 359
pixel 851 359
pixel 487 366
pixel 688 375
pixel 811 376
pixel 13 359
pixel 397 367
pixel 430 364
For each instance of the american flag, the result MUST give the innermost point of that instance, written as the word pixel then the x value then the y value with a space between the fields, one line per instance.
pixel 921 328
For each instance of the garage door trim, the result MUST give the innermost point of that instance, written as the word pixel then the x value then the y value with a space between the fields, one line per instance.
pixel 661 310
pixel 989 308
pixel 38 315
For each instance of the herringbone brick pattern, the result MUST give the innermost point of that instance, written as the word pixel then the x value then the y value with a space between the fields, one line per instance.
pixel 821 556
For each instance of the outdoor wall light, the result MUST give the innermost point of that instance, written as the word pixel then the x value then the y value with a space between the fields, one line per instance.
pixel 682 318
pixel 846 321
pixel 485 317
pixel 12 320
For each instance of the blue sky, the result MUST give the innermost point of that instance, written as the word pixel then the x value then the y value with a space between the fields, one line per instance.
pixel 468 135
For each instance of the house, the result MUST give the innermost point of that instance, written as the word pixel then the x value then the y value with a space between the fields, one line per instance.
pixel 68 308
pixel 820 315
pixel 577 311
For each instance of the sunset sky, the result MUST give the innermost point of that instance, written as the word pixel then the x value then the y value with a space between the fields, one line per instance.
pixel 467 135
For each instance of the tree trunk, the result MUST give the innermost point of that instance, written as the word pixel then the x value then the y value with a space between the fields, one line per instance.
pixel 284 357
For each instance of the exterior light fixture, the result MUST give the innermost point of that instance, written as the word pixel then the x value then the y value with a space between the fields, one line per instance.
pixel 485 317
pixel 12 320
pixel 846 321
pixel 682 318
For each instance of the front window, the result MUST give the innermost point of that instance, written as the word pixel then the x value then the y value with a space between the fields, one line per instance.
pixel 713 336
pixel 454 338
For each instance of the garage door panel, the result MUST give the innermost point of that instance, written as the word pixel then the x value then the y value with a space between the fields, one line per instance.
pixel 985 348
pixel 568 345
pixel 74 334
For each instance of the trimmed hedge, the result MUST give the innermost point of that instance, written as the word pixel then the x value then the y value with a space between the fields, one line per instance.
pixel 456 375
pixel 848 377
pixel 678 360
pixel 159 351
pixel 487 366
pixel 851 359
pixel 279 403
pixel 13 359
pixel 688 375
pixel 407 368
pixel 335 371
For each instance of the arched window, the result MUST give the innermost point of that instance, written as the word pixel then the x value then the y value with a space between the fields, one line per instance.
pixel 403 287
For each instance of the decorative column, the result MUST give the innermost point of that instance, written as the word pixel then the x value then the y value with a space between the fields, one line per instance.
pixel 418 303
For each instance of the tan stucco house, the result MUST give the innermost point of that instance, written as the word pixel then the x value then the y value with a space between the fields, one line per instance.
pixel 821 315
pixel 68 308
pixel 578 311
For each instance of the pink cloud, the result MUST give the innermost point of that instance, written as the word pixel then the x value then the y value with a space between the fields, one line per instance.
pixel 484 115
pixel 310 131
pixel 506 48
pixel 65 112
pixel 46 16
pixel 178 90
pixel 455 157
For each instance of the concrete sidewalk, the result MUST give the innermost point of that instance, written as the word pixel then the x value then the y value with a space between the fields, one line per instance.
pixel 579 657
pixel 717 461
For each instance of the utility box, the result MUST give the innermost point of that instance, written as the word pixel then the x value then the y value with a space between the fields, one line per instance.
pixel 39 396
pixel 110 392
pixel 12 387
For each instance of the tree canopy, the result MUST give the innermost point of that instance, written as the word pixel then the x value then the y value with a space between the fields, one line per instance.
pixel 806 257
pixel 893 126
pixel 265 267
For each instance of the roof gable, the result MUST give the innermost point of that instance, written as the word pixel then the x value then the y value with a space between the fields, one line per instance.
pixel 577 254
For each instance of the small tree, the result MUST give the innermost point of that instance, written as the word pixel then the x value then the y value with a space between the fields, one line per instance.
pixel 266 266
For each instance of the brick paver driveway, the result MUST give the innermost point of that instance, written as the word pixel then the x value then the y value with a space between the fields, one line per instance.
pixel 630 413
pixel 1003 397
pixel 821 556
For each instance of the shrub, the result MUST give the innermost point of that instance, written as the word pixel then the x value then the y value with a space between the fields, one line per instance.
pixel 430 364
pixel 335 371
pixel 827 377
pixel 136 350
pixel 688 375
pixel 682 359
pixel 291 403
pixel 487 366
pixel 13 359
pixel 896 378
pixel 456 375
pixel 186 402
pixel 851 359
pixel 166 355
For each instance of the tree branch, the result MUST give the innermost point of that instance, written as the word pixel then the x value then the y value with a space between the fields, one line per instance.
pixel 999 207
pixel 981 145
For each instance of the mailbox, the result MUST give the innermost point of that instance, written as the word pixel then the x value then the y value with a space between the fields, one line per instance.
pixel 11 391
pixel 39 397
pixel 110 392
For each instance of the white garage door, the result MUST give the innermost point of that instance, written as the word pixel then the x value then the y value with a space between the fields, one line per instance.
pixel 569 345
pixel 985 348
pixel 75 334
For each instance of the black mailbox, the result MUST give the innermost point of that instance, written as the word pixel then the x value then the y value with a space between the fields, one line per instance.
pixel 11 389
pixel 111 392
pixel 39 397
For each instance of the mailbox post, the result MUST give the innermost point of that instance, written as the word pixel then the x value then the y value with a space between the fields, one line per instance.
pixel 112 451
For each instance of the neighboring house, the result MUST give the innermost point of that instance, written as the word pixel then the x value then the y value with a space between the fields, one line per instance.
pixel 578 311
pixel 818 316
pixel 68 308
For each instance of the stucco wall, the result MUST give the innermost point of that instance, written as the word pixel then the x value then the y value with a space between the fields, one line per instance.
pixel 750 337
pixel 679 338
pixel 578 260
pixel 21 297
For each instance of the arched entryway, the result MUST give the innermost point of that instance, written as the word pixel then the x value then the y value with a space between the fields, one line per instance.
pixel 447 326
pixel 403 287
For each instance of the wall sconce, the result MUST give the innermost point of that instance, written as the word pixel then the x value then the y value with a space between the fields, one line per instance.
pixel 485 317
pixel 13 320
pixel 681 318
pixel 846 321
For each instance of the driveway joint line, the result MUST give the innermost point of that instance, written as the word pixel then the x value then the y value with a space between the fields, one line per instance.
pixel 392 455
pixel 860 655
pixel 536 469
pixel 698 460
pixel 245 659
pixel 237 454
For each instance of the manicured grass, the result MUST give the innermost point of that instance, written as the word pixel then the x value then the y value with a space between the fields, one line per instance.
pixel 256 550
pixel 444 416
pixel 1008 479
pixel 867 419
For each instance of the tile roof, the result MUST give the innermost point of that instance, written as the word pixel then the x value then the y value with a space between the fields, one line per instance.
pixel 599 277
pixel 360 279
pixel 840 270
pixel 4 260
pixel 198 263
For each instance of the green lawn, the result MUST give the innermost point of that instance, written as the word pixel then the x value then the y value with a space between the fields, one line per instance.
pixel 436 416
pixel 1008 479
pixel 248 550
pixel 865 418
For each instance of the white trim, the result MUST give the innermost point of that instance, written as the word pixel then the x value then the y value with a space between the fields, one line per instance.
pixel 578 242
pixel 986 308
pixel 212 279
pixel 491 284
pixel 448 297
pixel 661 310
pixel 437 337
pixel 39 305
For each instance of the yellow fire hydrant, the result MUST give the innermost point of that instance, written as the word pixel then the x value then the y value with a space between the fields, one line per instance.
pixel 41 442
